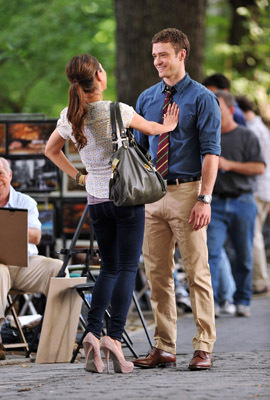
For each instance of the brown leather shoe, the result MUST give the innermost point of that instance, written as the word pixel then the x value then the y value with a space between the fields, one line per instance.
pixel 201 360
pixel 156 358
pixel 2 352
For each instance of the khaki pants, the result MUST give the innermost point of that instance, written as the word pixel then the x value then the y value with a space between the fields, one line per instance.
pixel 260 273
pixel 167 221
pixel 33 279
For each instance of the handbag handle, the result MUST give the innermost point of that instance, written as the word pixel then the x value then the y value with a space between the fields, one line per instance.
pixel 117 119
pixel 120 122
pixel 113 121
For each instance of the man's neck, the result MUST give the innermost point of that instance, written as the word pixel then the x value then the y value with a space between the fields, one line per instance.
pixel 4 200
pixel 172 80
pixel 229 127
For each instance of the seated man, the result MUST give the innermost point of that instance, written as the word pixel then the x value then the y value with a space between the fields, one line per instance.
pixel 36 277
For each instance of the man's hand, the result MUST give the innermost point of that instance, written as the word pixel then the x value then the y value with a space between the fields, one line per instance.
pixel 200 215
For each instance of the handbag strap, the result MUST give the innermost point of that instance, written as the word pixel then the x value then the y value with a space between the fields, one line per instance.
pixel 117 119
pixel 113 121
pixel 120 122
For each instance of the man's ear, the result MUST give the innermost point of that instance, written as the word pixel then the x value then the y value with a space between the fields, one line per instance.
pixel 182 54
pixel 232 109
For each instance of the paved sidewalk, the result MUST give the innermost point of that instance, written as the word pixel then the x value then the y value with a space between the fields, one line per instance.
pixel 241 368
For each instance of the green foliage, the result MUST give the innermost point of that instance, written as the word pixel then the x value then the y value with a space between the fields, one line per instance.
pixel 38 38
pixel 252 51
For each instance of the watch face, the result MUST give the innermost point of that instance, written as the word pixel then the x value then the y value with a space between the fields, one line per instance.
pixel 207 198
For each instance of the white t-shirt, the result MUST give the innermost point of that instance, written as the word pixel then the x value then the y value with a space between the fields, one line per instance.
pixel 97 153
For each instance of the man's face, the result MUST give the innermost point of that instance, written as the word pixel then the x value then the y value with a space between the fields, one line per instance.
pixel 226 113
pixel 167 63
pixel 5 179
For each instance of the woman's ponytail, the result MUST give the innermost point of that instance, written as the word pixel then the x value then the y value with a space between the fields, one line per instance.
pixel 80 72
pixel 76 113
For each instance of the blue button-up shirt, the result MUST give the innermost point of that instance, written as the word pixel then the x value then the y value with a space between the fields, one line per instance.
pixel 198 131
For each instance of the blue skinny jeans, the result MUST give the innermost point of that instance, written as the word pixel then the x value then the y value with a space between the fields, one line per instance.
pixel 119 234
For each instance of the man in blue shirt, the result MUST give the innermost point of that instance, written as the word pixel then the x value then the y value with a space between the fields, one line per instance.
pixel 184 213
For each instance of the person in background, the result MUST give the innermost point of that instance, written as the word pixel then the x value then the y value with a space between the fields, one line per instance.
pixel 118 230
pixel 220 82
pixel 261 281
pixel 36 277
pixel 188 161
pixel 224 300
pixel 233 207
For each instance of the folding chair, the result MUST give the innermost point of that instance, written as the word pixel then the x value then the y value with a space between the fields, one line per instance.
pixel 12 298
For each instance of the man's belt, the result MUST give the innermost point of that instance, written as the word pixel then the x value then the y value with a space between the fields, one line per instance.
pixel 183 180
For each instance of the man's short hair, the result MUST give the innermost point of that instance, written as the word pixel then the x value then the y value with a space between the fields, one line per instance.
pixel 244 103
pixel 6 164
pixel 227 97
pixel 218 80
pixel 174 36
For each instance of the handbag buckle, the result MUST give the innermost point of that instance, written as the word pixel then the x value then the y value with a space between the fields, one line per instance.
pixel 114 163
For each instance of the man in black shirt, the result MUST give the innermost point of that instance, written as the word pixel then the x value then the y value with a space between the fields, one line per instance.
pixel 233 206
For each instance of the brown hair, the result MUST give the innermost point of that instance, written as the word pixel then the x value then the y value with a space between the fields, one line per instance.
pixel 174 36
pixel 80 71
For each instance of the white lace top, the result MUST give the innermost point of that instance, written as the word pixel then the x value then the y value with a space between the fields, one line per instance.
pixel 97 153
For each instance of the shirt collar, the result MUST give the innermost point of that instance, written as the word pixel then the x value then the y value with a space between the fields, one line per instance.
pixel 12 198
pixel 179 86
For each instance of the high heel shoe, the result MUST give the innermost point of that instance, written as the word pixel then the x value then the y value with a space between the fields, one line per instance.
pixel 93 361
pixel 119 363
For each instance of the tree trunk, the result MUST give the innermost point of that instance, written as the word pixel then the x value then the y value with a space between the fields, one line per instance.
pixel 137 22
pixel 239 30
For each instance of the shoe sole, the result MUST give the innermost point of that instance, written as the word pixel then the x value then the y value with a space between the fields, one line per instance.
pixel 163 365
pixel 199 368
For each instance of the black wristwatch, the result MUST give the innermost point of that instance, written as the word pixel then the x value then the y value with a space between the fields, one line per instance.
pixel 206 198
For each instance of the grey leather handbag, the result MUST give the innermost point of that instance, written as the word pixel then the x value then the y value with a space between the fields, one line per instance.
pixel 134 178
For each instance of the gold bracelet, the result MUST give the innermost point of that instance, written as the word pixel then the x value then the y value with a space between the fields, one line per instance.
pixel 82 180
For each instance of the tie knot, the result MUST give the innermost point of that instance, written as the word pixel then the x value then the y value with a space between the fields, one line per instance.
pixel 170 90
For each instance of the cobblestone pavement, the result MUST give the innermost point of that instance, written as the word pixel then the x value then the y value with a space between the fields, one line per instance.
pixel 241 368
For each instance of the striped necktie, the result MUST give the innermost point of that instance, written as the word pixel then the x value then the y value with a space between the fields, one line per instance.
pixel 163 142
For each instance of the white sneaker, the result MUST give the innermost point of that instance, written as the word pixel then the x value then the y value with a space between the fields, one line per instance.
pixel 228 308
pixel 217 310
pixel 242 310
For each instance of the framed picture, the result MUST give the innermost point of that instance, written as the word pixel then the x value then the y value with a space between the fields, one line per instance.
pixel 72 211
pixel 29 138
pixel 46 218
pixel 70 187
pixel 34 175
pixel 2 139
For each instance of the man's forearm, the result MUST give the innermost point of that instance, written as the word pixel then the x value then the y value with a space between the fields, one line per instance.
pixel 209 173
pixel 34 235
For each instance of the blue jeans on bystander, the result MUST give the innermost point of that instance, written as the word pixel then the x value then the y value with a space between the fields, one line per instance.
pixel 234 217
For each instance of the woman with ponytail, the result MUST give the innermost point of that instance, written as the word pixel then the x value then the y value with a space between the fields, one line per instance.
pixel 118 230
